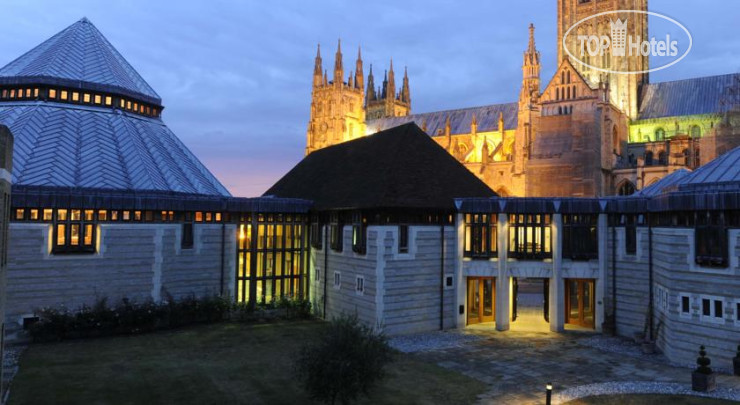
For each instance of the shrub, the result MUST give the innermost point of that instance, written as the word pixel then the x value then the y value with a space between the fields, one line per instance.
pixel 703 361
pixel 346 361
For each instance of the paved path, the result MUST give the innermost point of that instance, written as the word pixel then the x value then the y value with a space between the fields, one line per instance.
pixel 517 365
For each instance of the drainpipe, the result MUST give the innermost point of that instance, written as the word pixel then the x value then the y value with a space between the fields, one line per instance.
pixel 326 261
pixel 614 278
pixel 223 252
pixel 650 275
pixel 442 275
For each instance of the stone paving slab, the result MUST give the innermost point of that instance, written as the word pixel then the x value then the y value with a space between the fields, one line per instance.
pixel 517 365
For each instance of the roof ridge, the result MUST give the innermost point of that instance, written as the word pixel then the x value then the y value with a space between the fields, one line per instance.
pixel 697 78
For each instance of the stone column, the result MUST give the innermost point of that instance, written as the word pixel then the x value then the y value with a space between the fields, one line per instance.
pixel 6 168
pixel 503 296
pixel 601 282
pixel 557 288
pixel 460 282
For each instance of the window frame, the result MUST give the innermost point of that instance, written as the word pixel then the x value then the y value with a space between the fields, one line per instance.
pixel 580 237
pixel 360 285
pixel 480 241
pixel 337 284
pixel 526 225
pixel 711 241
pixel 68 219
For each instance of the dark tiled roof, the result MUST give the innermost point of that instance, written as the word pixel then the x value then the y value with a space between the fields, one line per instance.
pixel 79 53
pixel 401 167
pixel 460 120
pixel 60 197
pixel 697 96
pixel 65 145
pixel 721 174
pixel 666 184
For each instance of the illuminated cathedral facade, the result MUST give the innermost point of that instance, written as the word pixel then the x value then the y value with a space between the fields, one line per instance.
pixel 584 133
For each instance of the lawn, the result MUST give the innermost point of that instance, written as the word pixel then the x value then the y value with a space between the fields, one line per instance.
pixel 649 400
pixel 210 364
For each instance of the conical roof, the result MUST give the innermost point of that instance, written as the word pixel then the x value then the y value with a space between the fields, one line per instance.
pixel 76 56
pixel 61 143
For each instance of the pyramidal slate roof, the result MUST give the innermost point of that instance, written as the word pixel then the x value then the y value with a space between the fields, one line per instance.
pixel 666 184
pixel 70 145
pixel 697 96
pixel 486 116
pixel 401 167
pixel 79 53
pixel 721 174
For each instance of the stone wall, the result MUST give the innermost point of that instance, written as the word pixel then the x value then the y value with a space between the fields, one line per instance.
pixel 675 275
pixel 136 261
pixel 402 291
pixel 6 168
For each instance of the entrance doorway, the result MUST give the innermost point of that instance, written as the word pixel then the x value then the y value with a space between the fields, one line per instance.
pixel 481 302
pixel 579 302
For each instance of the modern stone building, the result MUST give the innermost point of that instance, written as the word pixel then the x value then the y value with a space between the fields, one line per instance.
pixel 383 228
pixel 585 133
pixel 6 168
pixel 109 204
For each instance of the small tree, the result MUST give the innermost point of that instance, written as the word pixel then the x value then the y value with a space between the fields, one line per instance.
pixel 346 361
pixel 703 362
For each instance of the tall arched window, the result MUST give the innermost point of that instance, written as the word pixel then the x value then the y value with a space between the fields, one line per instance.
pixel 660 134
pixel 663 158
pixel 649 158
pixel 615 140
pixel 696 131
pixel 686 158
pixel 697 160
pixel 626 188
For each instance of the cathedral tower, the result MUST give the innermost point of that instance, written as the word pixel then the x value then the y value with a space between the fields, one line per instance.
pixel 624 88
pixel 337 113
pixel 386 102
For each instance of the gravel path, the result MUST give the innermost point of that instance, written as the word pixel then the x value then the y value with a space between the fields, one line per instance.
pixel 424 342
pixel 621 388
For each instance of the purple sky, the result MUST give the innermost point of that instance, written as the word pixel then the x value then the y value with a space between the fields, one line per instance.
pixel 235 77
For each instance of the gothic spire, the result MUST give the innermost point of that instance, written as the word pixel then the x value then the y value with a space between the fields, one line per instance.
pixel 385 86
pixel 405 91
pixel 371 95
pixel 359 80
pixel 338 69
pixel 317 68
pixel 391 90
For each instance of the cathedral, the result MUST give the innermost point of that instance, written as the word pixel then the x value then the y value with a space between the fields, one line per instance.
pixel 584 134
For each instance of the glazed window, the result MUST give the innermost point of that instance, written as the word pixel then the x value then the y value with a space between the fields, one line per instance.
pixel 74 231
pixel 630 223
pixel 20 214
pixel 337 280
pixel 64 95
pixel 75 96
pixel 481 236
pixel 580 237
pixel 529 236
pixel 33 215
pixel 86 98
pixel 98 99
pixel 710 239
pixel 108 100
pixel 335 233
pixel 52 93
pixel 403 238
pixel 360 285
pixel 359 233
pixel 48 214
pixel 187 235
pixel 316 233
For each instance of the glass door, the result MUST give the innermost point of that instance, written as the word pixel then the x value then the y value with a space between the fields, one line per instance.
pixel 481 303
pixel 579 302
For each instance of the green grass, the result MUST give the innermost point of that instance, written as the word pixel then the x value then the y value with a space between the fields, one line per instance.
pixel 211 364
pixel 649 400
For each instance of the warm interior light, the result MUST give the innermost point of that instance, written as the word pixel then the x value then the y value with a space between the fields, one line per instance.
pixel 241 232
